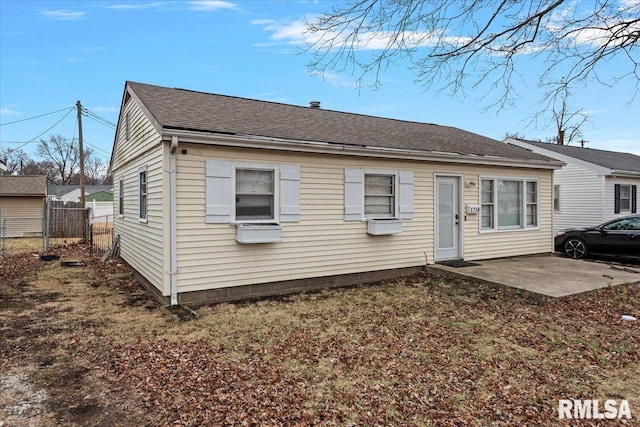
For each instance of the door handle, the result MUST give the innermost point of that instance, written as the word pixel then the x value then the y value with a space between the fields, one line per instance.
pixel 457 217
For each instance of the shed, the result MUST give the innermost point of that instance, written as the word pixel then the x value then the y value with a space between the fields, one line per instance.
pixel 22 205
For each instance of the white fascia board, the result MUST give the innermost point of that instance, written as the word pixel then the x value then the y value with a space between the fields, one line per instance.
pixel 250 141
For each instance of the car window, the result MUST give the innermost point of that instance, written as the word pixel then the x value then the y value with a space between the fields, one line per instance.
pixel 624 224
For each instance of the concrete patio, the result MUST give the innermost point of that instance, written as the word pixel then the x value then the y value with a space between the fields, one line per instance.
pixel 551 275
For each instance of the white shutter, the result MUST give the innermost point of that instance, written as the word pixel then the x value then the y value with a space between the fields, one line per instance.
pixel 289 193
pixel 353 194
pixel 406 194
pixel 218 192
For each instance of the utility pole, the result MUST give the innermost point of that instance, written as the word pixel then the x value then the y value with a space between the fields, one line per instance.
pixel 80 147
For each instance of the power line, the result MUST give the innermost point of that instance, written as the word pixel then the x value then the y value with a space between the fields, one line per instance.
pixel 98 118
pixel 54 125
pixel 35 117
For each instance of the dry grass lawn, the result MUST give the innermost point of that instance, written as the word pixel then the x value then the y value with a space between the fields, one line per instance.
pixel 81 348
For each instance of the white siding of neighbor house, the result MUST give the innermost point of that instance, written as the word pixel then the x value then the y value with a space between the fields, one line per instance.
pixel 142 245
pixel 22 216
pixel 608 210
pixel 581 197
pixel 322 243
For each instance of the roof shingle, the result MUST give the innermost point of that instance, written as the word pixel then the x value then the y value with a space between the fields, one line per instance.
pixel 609 159
pixel 182 109
pixel 25 185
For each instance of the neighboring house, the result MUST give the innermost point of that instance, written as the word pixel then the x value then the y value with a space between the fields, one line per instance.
pixel 22 205
pixel 220 198
pixel 97 197
pixel 595 185
pixel 3 167
pixel 71 193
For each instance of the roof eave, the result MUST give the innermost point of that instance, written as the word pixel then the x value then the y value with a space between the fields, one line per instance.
pixel 625 174
pixel 252 141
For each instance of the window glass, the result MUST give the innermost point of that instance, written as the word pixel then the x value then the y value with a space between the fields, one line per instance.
pixel 254 194
pixel 532 203
pixel 509 204
pixel 556 198
pixel 379 197
pixel 486 198
pixel 625 198
pixel 143 195
pixel 121 197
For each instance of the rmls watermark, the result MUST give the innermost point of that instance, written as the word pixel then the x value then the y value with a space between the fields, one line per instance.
pixel 590 409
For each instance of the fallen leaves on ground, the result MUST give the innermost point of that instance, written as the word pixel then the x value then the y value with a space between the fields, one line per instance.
pixel 416 351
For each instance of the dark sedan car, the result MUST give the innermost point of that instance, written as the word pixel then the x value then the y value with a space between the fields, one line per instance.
pixel 618 237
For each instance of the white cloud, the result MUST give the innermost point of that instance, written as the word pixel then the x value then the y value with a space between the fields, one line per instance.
pixel 63 15
pixel 295 33
pixel 134 6
pixel 8 112
pixel 211 5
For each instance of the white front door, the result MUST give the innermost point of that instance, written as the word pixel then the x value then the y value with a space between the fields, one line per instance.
pixel 448 218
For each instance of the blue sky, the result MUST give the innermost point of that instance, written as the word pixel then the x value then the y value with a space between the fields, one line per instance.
pixel 53 53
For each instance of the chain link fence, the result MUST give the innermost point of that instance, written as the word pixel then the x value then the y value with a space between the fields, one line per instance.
pixel 20 235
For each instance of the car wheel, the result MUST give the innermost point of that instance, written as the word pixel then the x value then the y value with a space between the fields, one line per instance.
pixel 575 248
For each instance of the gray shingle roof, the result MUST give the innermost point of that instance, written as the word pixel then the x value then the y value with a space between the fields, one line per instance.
pixel 189 110
pixel 24 185
pixel 608 159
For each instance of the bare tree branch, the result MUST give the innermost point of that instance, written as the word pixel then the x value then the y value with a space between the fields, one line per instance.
pixel 453 45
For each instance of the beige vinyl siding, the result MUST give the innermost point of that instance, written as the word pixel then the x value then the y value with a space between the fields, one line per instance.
pixel 480 245
pixel 142 135
pixel 608 211
pixel 581 197
pixel 142 244
pixel 22 216
pixel 322 243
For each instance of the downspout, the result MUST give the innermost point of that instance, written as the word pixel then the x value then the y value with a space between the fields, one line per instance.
pixel 173 254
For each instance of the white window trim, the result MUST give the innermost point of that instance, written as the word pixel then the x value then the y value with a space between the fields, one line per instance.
pixel 523 218
pixel 396 193
pixel 276 192
pixel 142 169
pixel 121 197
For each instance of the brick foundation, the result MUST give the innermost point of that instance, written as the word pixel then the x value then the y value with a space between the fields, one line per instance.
pixel 238 293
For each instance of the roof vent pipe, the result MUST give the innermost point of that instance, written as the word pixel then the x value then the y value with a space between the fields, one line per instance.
pixel 314 104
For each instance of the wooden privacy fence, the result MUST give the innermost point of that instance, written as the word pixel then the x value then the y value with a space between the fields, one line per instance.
pixel 68 220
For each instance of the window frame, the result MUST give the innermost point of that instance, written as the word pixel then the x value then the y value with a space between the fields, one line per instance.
pixel 275 169
pixel 394 214
pixel 556 198
pixel 495 226
pixel 629 198
pixel 121 197
pixel 143 171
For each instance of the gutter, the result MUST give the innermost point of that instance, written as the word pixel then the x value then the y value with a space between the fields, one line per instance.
pixel 252 141
pixel 625 174
pixel 173 234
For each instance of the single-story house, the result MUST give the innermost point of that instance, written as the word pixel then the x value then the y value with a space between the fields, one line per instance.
pixel 593 187
pixel 219 197
pixel 22 205
pixel 71 193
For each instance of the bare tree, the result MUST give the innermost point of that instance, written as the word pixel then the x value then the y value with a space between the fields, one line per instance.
pixel 568 122
pixel 31 167
pixel 63 154
pixel 95 168
pixel 452 44
pixel 14 160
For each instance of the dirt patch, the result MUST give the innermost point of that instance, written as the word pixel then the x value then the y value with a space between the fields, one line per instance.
pixel 87 346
